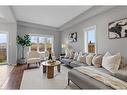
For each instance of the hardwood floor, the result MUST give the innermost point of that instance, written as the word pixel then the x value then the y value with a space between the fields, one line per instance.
pixel 13 81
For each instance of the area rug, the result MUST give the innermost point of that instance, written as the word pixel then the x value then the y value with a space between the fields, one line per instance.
pixel 35 79
pixel 4 72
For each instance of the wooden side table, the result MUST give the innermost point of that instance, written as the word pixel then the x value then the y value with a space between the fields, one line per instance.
pixel 49 68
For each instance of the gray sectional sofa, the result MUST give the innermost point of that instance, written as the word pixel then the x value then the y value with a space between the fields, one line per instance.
pixel 86 82
pixel 81 80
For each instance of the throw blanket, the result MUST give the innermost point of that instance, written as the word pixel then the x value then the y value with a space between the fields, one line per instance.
pixel 103 77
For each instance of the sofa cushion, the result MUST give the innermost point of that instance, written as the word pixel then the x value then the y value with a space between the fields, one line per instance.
pixel 101 70
pixel 33 60
pixel 66 61
pixel 111 62
pixel 77 64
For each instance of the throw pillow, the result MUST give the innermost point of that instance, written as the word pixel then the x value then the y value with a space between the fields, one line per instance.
pixel 89 59
pixel 82 59
pixel 122 64
pixel 80 55
pixel 97 61
pixel 67 54
pixel 111 62
pixel 75 56
pixel 71 55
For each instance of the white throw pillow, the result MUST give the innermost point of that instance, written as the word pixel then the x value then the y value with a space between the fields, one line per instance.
pixel 75 56
pixel 111 62
pixel 67 53
pixel 80 55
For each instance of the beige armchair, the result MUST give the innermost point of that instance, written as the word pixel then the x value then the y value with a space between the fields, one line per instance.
pixel 46 55
pixel 33 57
pixel 42 56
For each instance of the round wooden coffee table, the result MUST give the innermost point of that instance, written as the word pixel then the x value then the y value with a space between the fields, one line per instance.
pixel 49 68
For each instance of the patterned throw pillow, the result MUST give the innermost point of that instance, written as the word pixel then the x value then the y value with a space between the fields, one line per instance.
pixel 122 64
pixel 97 61
pixel 82 59
pixel 89 59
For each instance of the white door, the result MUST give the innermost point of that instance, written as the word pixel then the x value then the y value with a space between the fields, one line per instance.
pixel 3 48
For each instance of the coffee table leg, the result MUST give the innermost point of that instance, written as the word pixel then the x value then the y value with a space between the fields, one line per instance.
pixel 58 68
pixel 50 72
pixel 44 69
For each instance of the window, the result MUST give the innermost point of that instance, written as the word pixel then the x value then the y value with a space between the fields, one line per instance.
pixel 34 41
pixel 3 48
pixel 39 42
pixel 42 44
pixel 90 39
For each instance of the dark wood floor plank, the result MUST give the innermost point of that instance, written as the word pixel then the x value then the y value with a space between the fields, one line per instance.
pixel 15 77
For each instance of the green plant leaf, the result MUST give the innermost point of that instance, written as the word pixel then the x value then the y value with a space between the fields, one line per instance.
pixel 24 41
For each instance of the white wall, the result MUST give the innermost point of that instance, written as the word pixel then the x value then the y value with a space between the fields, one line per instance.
pixel 8 24
pixel 103 43
pixel 36 29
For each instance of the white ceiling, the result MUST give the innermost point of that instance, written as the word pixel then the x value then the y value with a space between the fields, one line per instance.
pixel 54 16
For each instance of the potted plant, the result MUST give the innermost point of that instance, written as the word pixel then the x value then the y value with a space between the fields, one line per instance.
pixel 23 42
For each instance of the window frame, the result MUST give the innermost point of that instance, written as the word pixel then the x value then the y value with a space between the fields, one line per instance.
pixel 86 38
pixel 41 35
